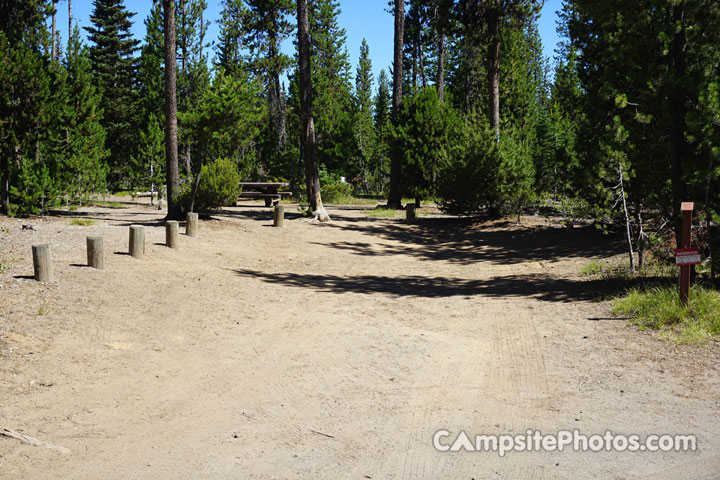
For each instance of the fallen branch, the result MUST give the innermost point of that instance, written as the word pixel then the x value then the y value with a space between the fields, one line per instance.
pixel 6 432
pixel 321 433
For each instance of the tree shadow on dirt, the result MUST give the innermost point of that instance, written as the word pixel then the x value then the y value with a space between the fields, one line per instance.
pixel 259 213
pixel 542 287
pixel 466 241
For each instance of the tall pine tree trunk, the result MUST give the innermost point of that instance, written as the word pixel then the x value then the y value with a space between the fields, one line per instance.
pixel 395 196
pixel 54 35
pixel 275 94
pixel 677 119
pixel 171 146
pixel 306 117
pixel 4 184
pixel 440 82
pixel 493 22
pixel 69 21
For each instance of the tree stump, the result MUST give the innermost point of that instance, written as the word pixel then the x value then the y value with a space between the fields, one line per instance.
pixel 410 213
pixel 171 233
pixel 137 241
pixel 191 225
pixel 278 216
pixel 95 255
pixel 42 264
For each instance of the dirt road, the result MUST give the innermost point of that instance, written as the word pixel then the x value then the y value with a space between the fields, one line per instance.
pixel 331 351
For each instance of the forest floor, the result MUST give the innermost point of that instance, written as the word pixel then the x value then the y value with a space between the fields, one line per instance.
pixel 331 351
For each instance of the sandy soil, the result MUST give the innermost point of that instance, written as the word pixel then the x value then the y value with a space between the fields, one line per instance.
pixel 331 351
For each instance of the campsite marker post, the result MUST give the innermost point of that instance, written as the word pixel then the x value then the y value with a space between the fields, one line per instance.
pixel 684 255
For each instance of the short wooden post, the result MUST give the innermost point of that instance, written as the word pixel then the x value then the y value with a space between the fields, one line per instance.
pixel 95 255
pixel 410 213
pixel 171 233
pixel 191 225
pixel 42 264
pixel 137 241
pixel 686 208
pixel 278 216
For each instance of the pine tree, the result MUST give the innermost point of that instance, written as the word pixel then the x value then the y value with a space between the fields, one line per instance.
pixel 150 160
pixel 25 107
pixel 78 137
pixel 307 130
pixel 395 195
pixel 112 53
pixel 151 66
pixel 381 167
pixel 332 93
pixel 643 67
pixel 365 135
pixel 193 74
pixel 265 27
pixel 229 46
pixel 171 115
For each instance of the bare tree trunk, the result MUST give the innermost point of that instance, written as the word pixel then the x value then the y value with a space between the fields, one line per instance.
pixel 4 185
pixel 306 117
pixel 277 110
pixel 423 77
pixel 642 238
pixel 171 146
pixel 627 217
pixel 193 193
pixel 440 82
pixel 54 33
pixel 493 22
pixel 395 196
pixel 677 119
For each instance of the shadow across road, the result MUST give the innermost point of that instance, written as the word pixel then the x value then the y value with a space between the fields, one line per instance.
pixel 542 287
pixel 465 241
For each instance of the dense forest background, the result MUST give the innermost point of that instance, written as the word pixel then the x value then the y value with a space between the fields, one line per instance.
pixel 621 127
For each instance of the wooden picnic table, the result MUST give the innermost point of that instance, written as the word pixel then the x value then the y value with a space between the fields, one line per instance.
pixel 268 191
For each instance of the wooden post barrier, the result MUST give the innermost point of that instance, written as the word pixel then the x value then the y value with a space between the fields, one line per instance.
pixel 686 208
pixel 95 254
pixel 42 264
pixel 278 216
pixel 410 213
pixel 171 233
pixel 137 241
pixel 191 225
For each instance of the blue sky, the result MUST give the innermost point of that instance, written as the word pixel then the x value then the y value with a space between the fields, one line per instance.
pixel 360 18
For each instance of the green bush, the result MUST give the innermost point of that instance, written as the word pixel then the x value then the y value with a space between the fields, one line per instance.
pixel 219 186
pixel 332 189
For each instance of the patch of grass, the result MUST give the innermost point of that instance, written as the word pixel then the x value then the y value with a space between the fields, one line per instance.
pixel 606 270
pixel 620 270
pixel 83 222
pixel 100 203
pixel 659 308
pixel 124 193
pixel 381 212
pixel 43 310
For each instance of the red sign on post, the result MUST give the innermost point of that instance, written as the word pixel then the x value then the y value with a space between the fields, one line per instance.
pixel 687 256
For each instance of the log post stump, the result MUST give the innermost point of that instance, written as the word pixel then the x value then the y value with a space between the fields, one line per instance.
pixel 191 225
pixel 42 264
pixel 137 241
pixel 410 213
pixel 278 216
pixel 171 233
pixel 95 254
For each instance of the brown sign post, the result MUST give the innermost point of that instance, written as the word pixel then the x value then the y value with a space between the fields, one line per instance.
pixel 686 208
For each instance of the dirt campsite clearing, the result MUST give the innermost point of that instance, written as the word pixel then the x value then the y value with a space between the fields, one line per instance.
pixel 332 351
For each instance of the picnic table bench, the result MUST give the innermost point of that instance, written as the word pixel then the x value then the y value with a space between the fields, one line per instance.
pixel 268 191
